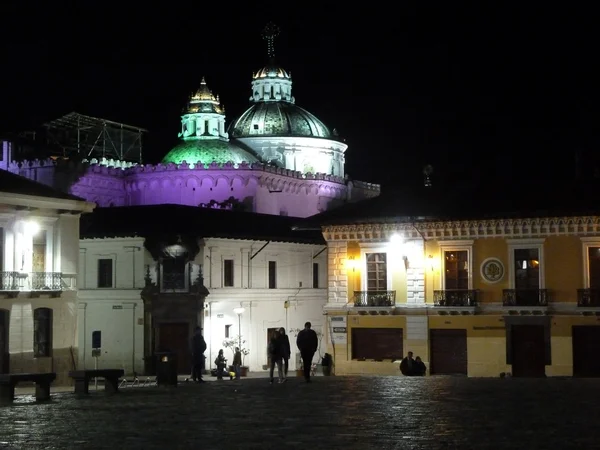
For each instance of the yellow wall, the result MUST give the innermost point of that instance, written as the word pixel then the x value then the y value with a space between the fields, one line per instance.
pixel 563 262
pixel 488 248
pixel 353 272
pixel 486 334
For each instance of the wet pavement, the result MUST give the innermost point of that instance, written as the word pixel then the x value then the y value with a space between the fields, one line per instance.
pixel 330 413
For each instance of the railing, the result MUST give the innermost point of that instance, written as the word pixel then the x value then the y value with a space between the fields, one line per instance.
pixel 374 298
pixel 45 281
pixel 456 297
pixel 35 281
pixel 9 281
pixel 588 298
pixel 525 297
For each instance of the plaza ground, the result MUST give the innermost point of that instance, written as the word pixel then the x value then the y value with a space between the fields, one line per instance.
pixel 330 413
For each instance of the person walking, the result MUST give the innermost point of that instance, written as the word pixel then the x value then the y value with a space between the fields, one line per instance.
pixel 307 342
pixel 198 349
pixel 286 352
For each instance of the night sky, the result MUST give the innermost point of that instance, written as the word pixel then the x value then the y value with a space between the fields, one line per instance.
pixel 490 92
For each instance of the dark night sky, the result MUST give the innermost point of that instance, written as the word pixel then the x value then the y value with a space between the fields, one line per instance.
pixel 473 91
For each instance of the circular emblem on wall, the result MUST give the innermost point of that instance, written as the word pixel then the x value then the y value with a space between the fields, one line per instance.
pixel 492 270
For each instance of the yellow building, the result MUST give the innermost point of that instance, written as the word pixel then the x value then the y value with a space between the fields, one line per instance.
pixel 478 297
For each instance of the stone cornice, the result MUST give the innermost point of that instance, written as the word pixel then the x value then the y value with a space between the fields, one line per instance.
pixel 468 229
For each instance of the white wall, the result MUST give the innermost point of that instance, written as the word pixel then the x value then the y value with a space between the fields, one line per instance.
pixel 117 312
pixel 251 262
pixel 18 214
pixel 264 308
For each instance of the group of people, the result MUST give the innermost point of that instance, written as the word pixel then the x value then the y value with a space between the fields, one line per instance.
pixel 279 354
pixel 412 367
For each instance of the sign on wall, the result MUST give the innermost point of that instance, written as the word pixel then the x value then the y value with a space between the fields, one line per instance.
pixel 338 327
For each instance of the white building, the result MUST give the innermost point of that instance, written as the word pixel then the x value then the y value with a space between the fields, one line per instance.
pixel 39 250
pixel 150 274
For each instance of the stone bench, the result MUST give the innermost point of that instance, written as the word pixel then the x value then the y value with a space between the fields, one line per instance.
pixel 82 379
pixel 42 381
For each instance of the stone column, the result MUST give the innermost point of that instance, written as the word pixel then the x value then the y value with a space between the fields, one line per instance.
pixel 337 291
pixel 415 275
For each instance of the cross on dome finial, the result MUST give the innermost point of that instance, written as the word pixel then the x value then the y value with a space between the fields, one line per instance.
pixel 270 32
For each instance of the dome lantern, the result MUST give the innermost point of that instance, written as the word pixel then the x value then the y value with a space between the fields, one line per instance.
pixel 204 117
pixel 271 83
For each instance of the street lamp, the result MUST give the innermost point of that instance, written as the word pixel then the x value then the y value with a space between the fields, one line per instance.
pixel 239 311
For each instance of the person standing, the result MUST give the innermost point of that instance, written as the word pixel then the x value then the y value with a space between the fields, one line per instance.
pixel 237 363
pixel 198 349
pixel 407 365
pixel 286 352
pixel 275 354
pixel 307 343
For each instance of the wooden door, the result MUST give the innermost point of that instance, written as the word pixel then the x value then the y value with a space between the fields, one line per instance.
pixel 528 351
pixel 586 351
pixel 175 337
pixel 4 355
pixel 448 352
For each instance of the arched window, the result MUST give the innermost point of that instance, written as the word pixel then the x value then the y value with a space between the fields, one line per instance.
pixel 42 332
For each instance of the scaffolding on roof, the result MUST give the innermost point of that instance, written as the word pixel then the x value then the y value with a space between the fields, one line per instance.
pixel 92 137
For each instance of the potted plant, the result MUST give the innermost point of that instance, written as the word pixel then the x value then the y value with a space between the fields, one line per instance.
pixel 232 343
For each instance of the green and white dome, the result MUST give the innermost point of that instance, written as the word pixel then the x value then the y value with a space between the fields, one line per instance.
pixel 207 151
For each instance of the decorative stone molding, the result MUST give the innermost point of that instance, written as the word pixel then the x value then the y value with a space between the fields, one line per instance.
pixel 505 228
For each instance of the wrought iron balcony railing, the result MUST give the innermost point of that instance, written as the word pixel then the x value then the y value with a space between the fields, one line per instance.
pixel 588 298
pixel 456 297
pixel 525 297
pixel 45 281
pixel 9 281
pixel 374 298
pixel 36 281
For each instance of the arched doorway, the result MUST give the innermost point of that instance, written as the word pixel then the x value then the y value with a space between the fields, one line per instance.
pixel 4 355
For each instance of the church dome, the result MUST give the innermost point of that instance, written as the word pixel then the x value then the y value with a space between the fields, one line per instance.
pixel 207 151
pixel 277 119
pixel 271 71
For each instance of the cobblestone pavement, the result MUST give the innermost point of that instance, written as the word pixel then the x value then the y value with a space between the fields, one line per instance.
pixel 332 412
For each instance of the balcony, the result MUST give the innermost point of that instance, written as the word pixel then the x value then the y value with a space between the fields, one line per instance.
pixel 525 299
pixel 588 298
pixel 374 298
pixel 461 298
pixel 39 282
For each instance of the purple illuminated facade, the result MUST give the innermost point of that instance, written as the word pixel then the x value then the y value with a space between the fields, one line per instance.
pixel 281 160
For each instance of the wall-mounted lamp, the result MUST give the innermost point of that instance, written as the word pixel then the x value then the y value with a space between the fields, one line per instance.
pixel 31 227
pixel 352 263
